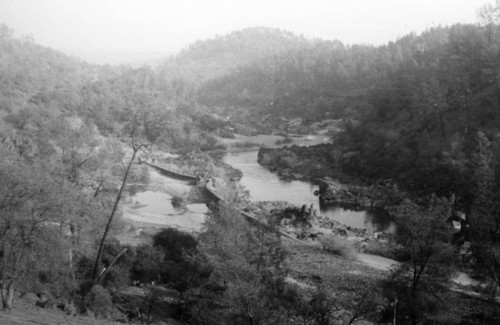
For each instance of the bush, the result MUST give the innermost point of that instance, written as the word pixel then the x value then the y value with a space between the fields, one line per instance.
pixel 182 266
pixel 173 260
pixel 337 246
pixel 99 301
pixel 147 265
pixel 119 274
pixel 175 244
pixel 83 267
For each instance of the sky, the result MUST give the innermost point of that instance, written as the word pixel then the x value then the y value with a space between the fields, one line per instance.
pixel 109 31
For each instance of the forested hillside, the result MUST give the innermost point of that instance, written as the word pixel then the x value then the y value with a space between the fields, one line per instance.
pixel 332 79
pixel 417 102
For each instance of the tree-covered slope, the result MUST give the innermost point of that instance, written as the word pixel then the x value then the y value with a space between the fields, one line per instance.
pixel 418 101
pixel 32 73
pixel 331 79
pixel 208 59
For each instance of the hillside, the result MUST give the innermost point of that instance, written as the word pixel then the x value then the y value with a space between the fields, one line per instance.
pixel 209 59
pixel 32 73
pixel 330 79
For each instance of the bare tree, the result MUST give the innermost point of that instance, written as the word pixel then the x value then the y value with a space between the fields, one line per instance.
pixel 97 262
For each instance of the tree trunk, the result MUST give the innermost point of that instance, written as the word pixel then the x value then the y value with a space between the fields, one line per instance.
pixel 97 262
pixel 7 293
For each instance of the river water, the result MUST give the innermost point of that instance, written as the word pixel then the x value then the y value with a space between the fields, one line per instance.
pixel 264 185
pixel 155 206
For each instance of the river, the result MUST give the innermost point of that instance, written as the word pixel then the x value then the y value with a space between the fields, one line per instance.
pixel 264 185
pixel 154 205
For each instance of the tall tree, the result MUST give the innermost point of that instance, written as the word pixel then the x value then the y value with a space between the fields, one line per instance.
pixel 34 215
pixel 484 217
pixel 415 285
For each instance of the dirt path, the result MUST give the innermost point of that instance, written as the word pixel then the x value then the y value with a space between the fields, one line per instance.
pixel 378 262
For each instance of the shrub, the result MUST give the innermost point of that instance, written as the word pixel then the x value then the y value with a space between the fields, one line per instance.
pixel 175 243
pixel 119 274
pixel 83 267
pixel 337 246
pixel 182 266
pixel 147 265
pixel 99 301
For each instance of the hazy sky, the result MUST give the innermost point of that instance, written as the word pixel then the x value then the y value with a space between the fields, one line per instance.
pixel 92 28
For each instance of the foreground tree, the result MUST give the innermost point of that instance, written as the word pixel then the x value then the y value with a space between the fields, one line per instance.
pixel 34 232
pixel 417 285
pixel 484 216
pixel 246 285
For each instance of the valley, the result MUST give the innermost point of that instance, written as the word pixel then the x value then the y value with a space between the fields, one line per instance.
pixel 259 177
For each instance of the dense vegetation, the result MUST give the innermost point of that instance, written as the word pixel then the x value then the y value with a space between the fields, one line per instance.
pixel 421 111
